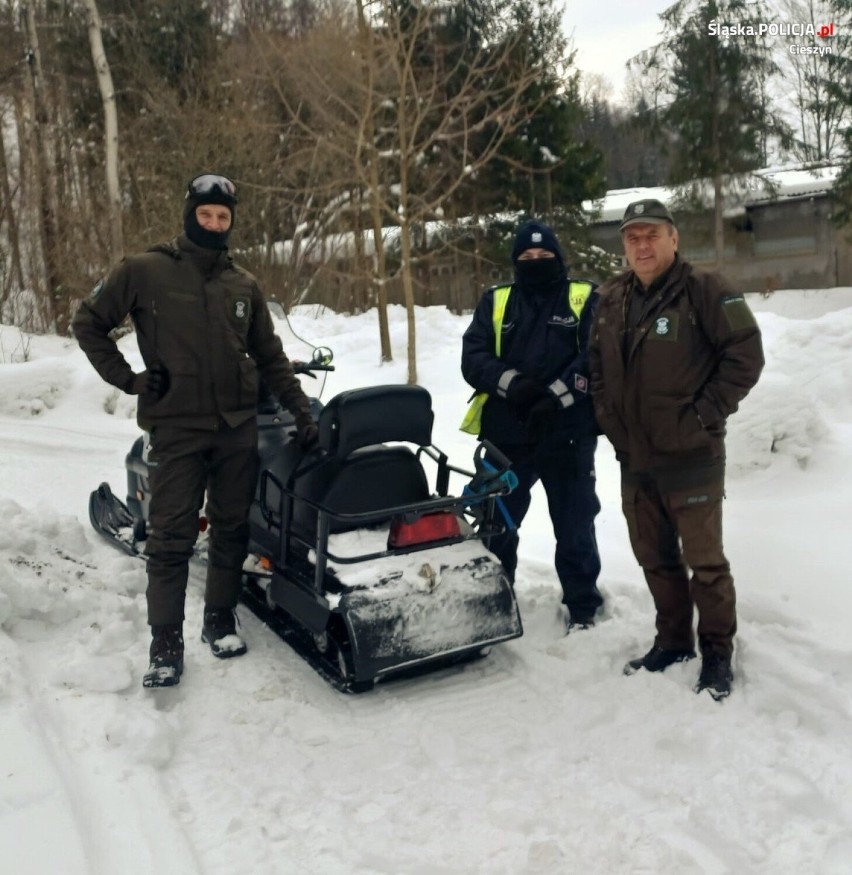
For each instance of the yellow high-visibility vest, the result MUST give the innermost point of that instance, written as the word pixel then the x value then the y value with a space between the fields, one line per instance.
pixel 578 294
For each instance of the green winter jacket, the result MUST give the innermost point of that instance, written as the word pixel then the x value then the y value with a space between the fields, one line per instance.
pixel 203 319
pixel 663 389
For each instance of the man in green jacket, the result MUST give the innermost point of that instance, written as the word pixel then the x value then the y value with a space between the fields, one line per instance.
pixel 206 336
pixel 673 352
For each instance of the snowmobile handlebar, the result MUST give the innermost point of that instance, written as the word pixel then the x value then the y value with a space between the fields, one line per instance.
pixel 493 474
pixel 320 361
pixel 496 457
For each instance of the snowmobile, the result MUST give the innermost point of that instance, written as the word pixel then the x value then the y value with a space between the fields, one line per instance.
pixel 354 560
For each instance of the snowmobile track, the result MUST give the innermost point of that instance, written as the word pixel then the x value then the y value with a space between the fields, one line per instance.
pixel 254 598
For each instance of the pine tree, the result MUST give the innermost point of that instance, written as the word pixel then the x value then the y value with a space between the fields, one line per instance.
pixel 547 166
pixel 711 113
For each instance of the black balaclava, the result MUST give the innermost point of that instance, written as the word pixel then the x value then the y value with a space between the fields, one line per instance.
pixel 201 236
pixel 539 276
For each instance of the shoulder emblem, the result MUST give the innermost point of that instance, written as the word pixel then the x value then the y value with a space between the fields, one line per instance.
pixel 737 313
pixel 96 291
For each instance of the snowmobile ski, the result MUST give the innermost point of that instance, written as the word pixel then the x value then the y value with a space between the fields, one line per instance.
pixel 111 518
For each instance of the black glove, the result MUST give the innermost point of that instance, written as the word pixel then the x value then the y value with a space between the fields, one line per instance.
pixel 155 381
pixel 523 393
pixel 540 418
pixel 307 433
pixel 307 437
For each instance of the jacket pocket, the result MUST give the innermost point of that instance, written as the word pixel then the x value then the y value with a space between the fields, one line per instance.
pixel 673 425
pixel 182 397
pixel 691 433
pixel 249 383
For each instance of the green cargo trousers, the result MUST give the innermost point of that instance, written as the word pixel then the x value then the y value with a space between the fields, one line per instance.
pixel 675 524
pixel 188 462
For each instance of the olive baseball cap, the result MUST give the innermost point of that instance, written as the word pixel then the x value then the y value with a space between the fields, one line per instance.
pixel 648 211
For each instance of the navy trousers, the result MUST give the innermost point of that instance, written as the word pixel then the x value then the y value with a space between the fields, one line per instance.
pixel 566 468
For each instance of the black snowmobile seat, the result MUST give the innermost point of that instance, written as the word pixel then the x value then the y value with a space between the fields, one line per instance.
pixel 362 417
pixel 358 473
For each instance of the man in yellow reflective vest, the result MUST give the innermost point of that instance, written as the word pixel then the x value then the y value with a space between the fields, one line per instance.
pixel 526 355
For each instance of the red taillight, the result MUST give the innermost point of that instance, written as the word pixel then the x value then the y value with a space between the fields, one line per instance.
pixel 202 524
pixel 430 527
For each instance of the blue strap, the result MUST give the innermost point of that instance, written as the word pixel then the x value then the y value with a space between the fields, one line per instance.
pixel 479 485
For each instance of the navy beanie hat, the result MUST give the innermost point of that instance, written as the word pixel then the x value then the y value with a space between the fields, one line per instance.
pixel 536 235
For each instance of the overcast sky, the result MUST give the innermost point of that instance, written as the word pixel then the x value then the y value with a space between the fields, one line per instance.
pixel 608 32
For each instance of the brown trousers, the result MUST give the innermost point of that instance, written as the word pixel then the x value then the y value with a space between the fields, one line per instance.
pixel 675 524
pixel 223 462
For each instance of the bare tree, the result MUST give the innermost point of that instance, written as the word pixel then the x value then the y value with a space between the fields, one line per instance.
pixel 41 151
pixel 107 90
pixel 349 130
pixel 818 83
pixel 429 115
pixel 369 155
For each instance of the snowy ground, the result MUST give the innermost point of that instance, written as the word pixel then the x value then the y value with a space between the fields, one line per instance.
pixel 542 758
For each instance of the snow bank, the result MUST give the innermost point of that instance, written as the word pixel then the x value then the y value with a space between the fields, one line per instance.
pixel 542 758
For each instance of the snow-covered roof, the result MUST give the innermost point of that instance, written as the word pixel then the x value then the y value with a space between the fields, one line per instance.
pixel 764 186
pixel 792 182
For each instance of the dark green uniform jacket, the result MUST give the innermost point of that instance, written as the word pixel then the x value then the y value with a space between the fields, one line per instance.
pixel 666 375
pixel 203 319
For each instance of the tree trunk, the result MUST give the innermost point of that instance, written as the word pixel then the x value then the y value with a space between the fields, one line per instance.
pixel 107 90
pixel 477 252
pixel 408 288
pixel 405 218
pixel 369 143
pixel 718 221
pixel 716 146
pixel 43 175
pixel 14 274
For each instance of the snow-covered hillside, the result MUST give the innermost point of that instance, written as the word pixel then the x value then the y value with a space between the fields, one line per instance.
pixel 542 758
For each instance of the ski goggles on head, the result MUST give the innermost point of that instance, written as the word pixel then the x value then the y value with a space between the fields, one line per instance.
pixel 210 183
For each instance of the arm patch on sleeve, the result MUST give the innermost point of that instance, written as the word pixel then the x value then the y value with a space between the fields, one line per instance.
pixel 96 291
pixel 737 312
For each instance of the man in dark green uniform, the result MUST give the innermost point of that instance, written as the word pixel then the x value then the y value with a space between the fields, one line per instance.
pixel 673 352
pixel 206 336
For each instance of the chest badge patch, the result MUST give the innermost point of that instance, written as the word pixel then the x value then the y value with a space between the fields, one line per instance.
pixel 563 320
pixel 240 309
pixel 662 326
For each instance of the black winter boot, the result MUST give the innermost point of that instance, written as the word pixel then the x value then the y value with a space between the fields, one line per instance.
pixel 220 632
pixel 658 659
pixel 578 620
pixel 166 655
pixel 716 676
